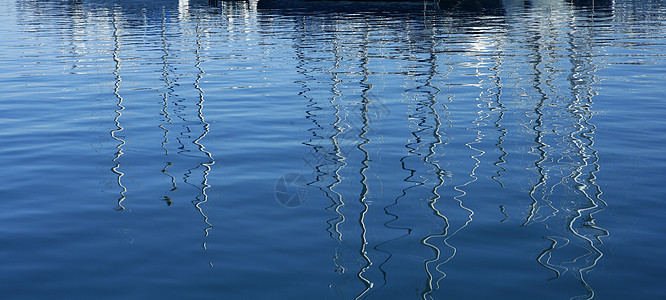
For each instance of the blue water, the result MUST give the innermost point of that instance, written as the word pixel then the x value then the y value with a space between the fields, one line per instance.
pixel 332 150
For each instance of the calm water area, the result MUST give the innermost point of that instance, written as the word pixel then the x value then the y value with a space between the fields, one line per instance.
pixel 332 150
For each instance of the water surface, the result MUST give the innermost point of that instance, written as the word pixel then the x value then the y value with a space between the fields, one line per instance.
pixel 333 150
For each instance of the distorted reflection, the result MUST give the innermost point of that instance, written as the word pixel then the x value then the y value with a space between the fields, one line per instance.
pixel 118 111
pixel 577 162
pixel 442 142
pixel 183 126
pixel 208 160
pixel 558 153
pixel 167 93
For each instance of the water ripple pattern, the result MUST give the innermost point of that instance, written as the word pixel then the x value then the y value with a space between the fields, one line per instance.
pixel 270 149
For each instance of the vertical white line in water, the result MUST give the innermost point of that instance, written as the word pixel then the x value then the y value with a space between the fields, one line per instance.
pixel 119 111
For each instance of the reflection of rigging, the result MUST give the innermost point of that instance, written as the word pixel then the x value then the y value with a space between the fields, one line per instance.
pixel 460 189
pixel 168 90
pixel 582 77
pixel 348 131
pixel 327 157
pixel 546 158
pixel 365 162
pixel 118 111
pixel 570 164
pixel 541 185
pixel 425 100
pixel 326 164
pixel 202 198
pixel 496 93
pixel 538 128
pixel 431 92
pixel 336 198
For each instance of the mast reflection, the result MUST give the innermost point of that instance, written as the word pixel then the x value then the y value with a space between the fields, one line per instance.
pixel 566 196
pixel 119 111
pixel 385 237
pixel 365 101
pixel 431 91
pixel 166 94
pixel 510 109
pixel 208 161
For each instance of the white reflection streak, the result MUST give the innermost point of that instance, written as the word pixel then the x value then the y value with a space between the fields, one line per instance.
pixel 118 111
pixel 206 129
pixel 459 189
pixel 338 202
pixel 183 9
pixel 167 88
pixel 334 138
pixel 366 162
pixel 538 128
pixel 337 221
pixel 440 182
pixel 439 171
pixel 477 162
pixel 596 202
pixel 165 103
pixel 581 138
pixel 548 254
pixel 500 108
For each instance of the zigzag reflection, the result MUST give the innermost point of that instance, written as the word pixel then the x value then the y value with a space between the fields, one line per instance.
pixel 567 163
pixel 329 141
pixel 202 198
pixel 338 159
pixel 365 163
pixel 340 137
pixel 499 107
pixel 427 211
pixel 583 224
pixel 120 108
pixel 182 133
pixel 556 145
pixel 168 92
pixel 430 102
pixel 333 158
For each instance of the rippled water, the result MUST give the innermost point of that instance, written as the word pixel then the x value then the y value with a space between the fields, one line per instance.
pixel 334 150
